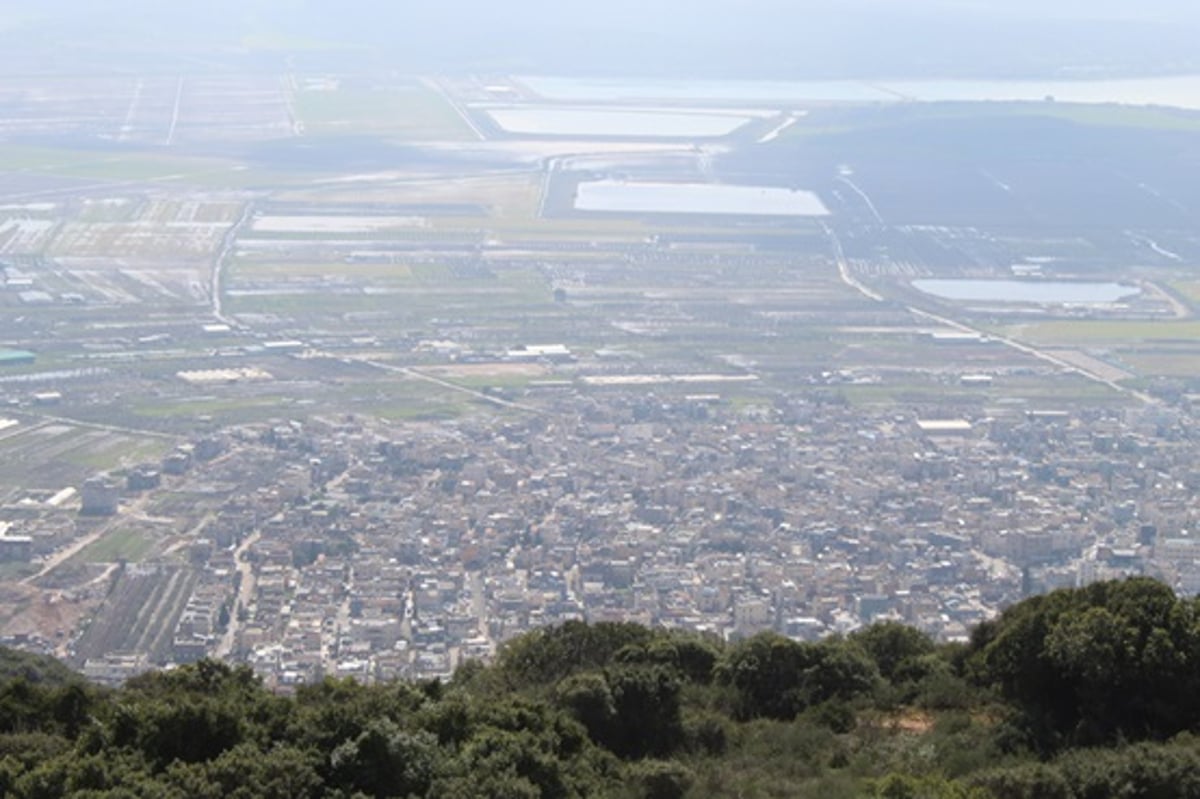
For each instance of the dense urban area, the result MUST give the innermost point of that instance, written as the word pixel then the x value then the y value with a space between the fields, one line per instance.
pixel 364 375
pixel 622 400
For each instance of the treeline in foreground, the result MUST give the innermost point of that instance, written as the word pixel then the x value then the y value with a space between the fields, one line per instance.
pixel 1079 694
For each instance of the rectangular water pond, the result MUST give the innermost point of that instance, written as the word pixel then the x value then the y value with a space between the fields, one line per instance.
pixel 1043 292
pixel 1179 91
pixel 696 198
pixel 641 123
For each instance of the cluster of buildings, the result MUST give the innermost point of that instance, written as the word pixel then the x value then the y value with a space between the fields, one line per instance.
pixel 378 552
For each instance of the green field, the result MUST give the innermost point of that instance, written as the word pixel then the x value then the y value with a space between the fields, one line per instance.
pixel 1184 364
pixel 118 545
pixel 57 455
pixel 417 291
pixel 1189 290
pixel 411 112
pixel 1105 332
pixel 135 167
pixel 1007 390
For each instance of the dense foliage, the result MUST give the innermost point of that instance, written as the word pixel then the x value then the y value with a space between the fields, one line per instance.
pixel 622 711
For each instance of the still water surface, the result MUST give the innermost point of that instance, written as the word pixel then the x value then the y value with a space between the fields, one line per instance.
pixel 1036 291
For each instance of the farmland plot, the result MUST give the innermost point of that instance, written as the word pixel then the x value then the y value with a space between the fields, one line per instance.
pixel 19 236
pixel 140 614
pixel 164 227
pixel 409 110
pixel 249 108
pixel 52 456
pixel 75 105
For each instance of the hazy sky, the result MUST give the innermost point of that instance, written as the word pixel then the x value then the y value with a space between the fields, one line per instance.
pixel 780 38
pixel 817 10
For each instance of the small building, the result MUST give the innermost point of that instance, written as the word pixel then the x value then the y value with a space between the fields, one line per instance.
pixel 557 353
pixel 100 497
pixel 177 462
pixel 143 478
pixel 944 427
pixel 16 549
pixel 61 497
pixel 114 669
pixel 208 448
pixel 287 345
pixel 1048 416
pixel 951 336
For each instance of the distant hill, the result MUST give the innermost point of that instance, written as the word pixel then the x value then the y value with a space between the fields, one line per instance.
pixel 1027 166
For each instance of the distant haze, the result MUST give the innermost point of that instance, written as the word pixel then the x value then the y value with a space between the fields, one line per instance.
pixel 760 38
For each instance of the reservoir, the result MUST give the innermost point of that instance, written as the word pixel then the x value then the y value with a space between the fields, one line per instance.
pixel 1179 91
pixel 618 196
pixel 583 121
pixel 1043 292
pixel 725 91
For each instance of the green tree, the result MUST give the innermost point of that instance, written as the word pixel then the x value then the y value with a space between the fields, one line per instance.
pixel 589 700
pixel 189 729
pixel 901 786
pixel 1026 781
pixel 895 648
pixel 386 760
pixel 545 656
pixel 1096 664
pixel 647 719
pixel 774 677
pixel 662 779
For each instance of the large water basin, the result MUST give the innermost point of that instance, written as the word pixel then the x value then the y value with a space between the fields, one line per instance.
pixel 1042 292
pixel 642 123
pixel 696 198
pixel 1181 91
pixel 731 91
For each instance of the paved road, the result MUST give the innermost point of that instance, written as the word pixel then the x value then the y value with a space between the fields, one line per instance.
pixel 245 593
pixel 1020 346
pixel 223 256
pixel 408 371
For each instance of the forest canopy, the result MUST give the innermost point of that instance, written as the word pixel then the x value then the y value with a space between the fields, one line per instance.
pixel 1080 693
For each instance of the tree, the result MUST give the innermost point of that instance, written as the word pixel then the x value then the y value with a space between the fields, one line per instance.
pixel 545 656
pixel 1096 664
pixel 658 779
pixel 386 760
pixel 777 678
pixel 900 786
pixel 189 730
pixel 647 721
pixel 692 657
pixel 892 646
pixel 589 700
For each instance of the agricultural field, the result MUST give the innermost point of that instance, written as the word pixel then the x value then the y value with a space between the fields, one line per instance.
pixel 407 110
pixel 153 249
pixel 1146 350
pixel 240 257
pixel 147 110
pixel 126 544
pixel 52 455
pixel 139 614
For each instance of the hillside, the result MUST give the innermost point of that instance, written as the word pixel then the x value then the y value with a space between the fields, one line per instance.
pixel 1080 693
pixel 38 669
